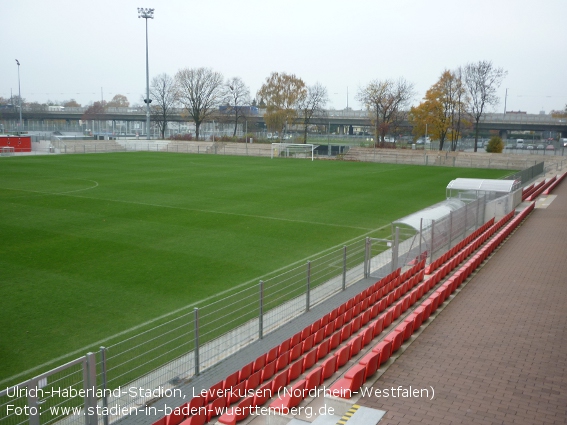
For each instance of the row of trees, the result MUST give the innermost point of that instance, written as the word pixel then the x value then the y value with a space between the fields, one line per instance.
pixel 117 101
pixel 456 100
pixel 201 91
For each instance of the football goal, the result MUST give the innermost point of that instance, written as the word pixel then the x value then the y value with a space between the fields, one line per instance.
pixel 6 151
pixel 295 150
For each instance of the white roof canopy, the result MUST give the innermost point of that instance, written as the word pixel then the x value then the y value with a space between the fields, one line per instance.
pixel 436 212
pixel 486 185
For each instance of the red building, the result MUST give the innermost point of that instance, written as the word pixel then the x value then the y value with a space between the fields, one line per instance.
pixel 19 143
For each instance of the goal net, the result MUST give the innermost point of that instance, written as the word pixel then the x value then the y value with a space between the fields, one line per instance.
pixel 6 151
pixel 293 150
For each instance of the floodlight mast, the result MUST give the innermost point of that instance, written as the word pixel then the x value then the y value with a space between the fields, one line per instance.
pixel 147 13
pixel 19 95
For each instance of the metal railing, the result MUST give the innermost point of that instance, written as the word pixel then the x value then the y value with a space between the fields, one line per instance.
pixel 528 173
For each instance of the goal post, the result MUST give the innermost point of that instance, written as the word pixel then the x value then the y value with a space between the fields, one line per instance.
pixel 7 151
pixel 296 150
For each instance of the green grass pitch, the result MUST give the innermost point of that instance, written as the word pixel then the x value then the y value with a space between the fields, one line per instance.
pixel 92 245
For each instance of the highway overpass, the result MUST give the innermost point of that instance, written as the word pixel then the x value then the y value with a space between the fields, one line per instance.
pixel 491 121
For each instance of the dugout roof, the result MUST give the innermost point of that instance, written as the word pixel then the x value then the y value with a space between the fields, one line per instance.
pixel 425 217
pixel 481 185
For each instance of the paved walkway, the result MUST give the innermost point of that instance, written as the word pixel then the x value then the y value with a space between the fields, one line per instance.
pixel 498 352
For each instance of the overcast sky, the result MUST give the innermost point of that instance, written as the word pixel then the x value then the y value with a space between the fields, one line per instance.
pixel 78 49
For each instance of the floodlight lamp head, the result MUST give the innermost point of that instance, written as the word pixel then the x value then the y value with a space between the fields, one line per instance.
pixel 145 13
pixel 18 62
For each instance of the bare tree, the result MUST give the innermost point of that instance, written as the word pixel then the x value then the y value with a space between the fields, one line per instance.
pixel 386 101
pixel 200 91
pixel 238 96
pixel 164 95
pixel 310 104
pixel 459 98
pixel 482 80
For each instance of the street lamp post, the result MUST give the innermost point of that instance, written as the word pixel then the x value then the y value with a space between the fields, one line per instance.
pixel 147 14
pixel 19 94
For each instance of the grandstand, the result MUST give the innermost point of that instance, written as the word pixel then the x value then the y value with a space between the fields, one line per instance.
pixel 348 345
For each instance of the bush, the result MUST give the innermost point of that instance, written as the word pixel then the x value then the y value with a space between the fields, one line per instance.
pixel 185 137
pixel 495 145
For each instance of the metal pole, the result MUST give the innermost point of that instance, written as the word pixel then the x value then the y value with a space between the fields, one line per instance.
pixel 431 243
pixel 307 301
pixel 103 384
pixel 395 248
pixel 147 14
pixel 450 228
pixel 33 405
pixel 147 86
pixel 91 399
pixel 261 315
pixel 344 266
pixel 466 213
pixel 366 258
pixel 420 234
pixel 484 209
pixel 20 96
pixel 196 320
pixel 478 212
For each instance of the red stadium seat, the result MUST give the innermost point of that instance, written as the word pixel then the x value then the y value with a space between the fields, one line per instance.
pixel 309 359
pixel 263 394
pixel 314 378
pixel 307 344
pixel 241 412
pixel 371 362
pixel 279 381
pixel 323 349
pixel 295 369
pixel 342 355
pixel 245 372
pixel 254 380
pixel 355 345
pixel 259 363
pixel 385 350
pixel 329 367
pixel 268 371
pixel 295 352
pixel 397 338
pixel 335 340
pixel 215 407
pixel 291 399
pixel 282 361
pixel 352 381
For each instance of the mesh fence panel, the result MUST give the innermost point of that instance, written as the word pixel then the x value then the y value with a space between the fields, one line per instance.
pixel 442 234
pixel 227 325
pixel 140 359
pixel 47 398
